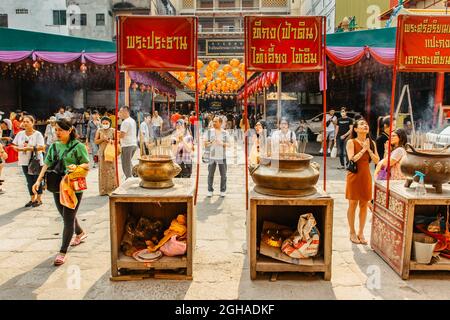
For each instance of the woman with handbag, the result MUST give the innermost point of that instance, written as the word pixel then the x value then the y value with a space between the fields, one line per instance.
pixel 29 143
pixel 63 157
pixel 360 150
pixel 398 141
pixel 107 182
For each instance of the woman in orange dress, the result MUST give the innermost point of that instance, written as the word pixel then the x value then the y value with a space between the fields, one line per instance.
pixel 361 150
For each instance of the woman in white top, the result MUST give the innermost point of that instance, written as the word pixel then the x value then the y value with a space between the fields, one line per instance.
pixel 27 142
pixel 283 140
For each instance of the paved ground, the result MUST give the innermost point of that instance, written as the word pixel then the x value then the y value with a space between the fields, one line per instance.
pixel 29 239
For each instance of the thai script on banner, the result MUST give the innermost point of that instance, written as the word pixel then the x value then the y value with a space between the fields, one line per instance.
pixel 153 42
pixel 424 43
pixel 284 43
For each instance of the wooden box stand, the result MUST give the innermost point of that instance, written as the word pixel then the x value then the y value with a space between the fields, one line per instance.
pixel 163 204
pixel 393 225
pixel 286 211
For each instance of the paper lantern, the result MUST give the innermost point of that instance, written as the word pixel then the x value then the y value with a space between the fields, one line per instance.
pixel 234 63
pixel 242 66
pixel 36 65
pixel 236 73
pixel 83 68
pixel 221 74
pixel 213 64
pixel 226 68
pixel 199 64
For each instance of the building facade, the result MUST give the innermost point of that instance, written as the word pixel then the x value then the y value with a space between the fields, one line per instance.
pixel 325 8
pixel 221 22
pixel 42 16
pixel 366 12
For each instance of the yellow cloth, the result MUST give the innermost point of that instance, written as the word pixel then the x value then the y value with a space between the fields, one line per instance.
pixel 67 196
pixel 177 228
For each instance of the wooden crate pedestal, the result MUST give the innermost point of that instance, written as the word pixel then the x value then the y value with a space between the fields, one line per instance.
pixel 286 211
pixel 393 225
pixel 162 204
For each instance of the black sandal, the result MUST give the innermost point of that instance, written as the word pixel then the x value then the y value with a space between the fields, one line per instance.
pixel 29 204
pixel 36 204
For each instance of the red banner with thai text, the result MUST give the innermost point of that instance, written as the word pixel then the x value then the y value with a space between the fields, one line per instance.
pixel 157 43
pixel 283 43
pixel 423 43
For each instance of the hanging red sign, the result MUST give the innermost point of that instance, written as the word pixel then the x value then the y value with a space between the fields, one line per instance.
pixel 157 43
pixel 283 43
pixel 423 43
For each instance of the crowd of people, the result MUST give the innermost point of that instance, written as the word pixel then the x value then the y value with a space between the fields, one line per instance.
pixel 67 148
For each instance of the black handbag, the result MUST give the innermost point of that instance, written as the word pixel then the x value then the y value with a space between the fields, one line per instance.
pixel 57 171
pixel 352 167
pixel 34 166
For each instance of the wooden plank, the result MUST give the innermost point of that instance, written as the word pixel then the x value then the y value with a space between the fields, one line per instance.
pixel 131 277
pixel 266 264
pixel 163 263
pixel 398 187
pixel 113 235
pixel 407 239
pixel 131 188
pixel 190 236
pixel 328 241
pixel 252 225
pixel 439 266
pixel 171 276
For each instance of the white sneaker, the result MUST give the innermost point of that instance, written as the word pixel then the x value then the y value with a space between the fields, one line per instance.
pixel 209 194
pixel 321 150
pixel 222 194
pixel 329 151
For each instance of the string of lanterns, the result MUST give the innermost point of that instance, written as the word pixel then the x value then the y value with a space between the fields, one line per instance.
pixel 213 81
pixel 256 85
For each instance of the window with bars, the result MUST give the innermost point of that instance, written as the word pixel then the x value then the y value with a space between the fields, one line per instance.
pixel 21 11
pixel 100 19
pixel 59 17
pixel 3 20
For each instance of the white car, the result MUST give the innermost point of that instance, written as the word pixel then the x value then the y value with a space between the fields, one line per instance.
pixel 440 139
pixel 316 125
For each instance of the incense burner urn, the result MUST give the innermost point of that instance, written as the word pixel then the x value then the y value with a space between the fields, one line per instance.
pixel 435 164
pixel 157 171
pixel 290 175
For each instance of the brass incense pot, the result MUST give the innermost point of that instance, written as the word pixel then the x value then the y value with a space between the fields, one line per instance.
pixel 435 164
pixel 157 171
pixel 290 175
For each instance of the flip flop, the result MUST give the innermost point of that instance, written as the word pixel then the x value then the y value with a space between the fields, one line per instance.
pixel 362 240
pixel 78 240
pixel 60 259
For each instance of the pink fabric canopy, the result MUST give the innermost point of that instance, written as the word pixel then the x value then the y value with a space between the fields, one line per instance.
pixel 101 58
pixel 347 56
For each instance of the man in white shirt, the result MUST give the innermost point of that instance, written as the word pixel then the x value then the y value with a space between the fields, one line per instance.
pixel 216 142
pixel 330 137
pixel 283 140
pixel 157 123
pixel 128 140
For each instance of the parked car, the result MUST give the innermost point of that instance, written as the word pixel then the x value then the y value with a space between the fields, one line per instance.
pixel 315 125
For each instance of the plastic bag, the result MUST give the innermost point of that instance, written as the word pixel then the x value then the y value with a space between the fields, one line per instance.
pixel 333 153
pixel 110 152
pixel 319 137
pixel 174 247
pixel 304 243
